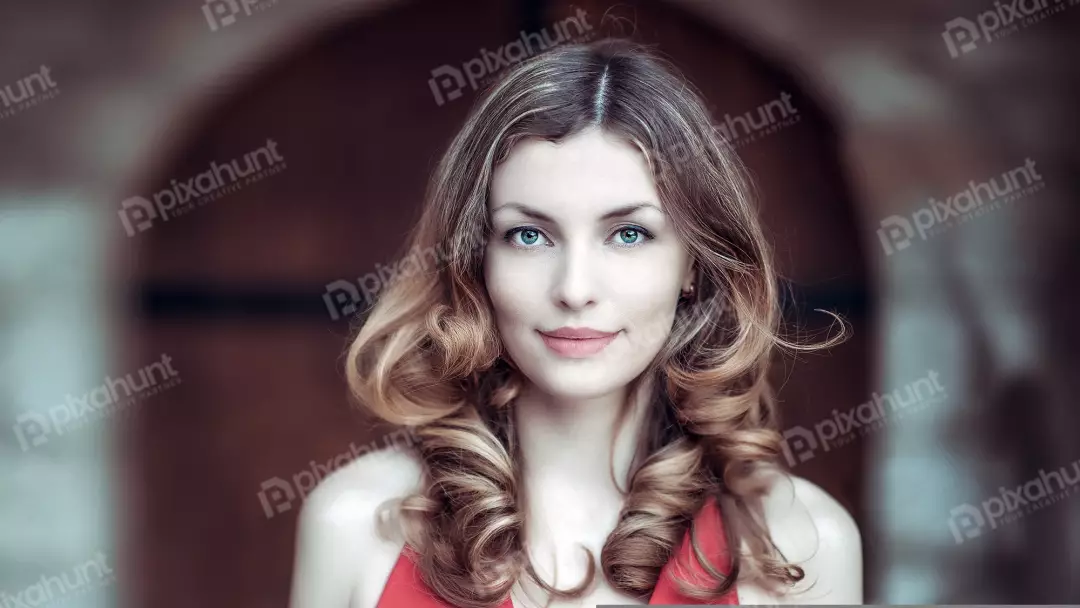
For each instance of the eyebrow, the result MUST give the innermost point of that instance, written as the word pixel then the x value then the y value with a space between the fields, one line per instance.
pixel 623 211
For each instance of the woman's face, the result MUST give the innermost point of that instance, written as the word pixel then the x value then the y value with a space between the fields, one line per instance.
pixel 581 241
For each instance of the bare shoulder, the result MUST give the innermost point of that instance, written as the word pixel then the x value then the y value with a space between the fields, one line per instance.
pixel 376 476
pixel 814 531
pixel 835 526
pixel 341 558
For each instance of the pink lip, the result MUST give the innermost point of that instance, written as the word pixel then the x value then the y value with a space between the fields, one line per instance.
pixel 577 342
pixel 578 333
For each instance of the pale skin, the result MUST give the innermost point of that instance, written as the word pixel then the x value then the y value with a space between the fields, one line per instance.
pixel 572 268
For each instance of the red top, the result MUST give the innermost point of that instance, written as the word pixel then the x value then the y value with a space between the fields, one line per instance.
pixel 405 589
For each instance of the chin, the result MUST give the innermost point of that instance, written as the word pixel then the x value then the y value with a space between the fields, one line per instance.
pixel 579 390
pixel 584 382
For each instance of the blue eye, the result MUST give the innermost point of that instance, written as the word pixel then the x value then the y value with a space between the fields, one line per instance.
pixel 633 236
pixel 529 236
pixel 633 232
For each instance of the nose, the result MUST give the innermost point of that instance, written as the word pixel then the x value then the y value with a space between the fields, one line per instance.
pixel 575 284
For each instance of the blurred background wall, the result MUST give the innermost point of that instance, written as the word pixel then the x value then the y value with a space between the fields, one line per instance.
pixel 173 385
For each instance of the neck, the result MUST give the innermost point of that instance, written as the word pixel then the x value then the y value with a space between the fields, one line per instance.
pixel 566 444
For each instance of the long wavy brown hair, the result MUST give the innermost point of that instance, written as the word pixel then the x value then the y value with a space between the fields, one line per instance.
pixel 428 355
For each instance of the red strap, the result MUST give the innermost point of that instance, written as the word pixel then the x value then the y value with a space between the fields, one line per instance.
pixel 405 588
pixel 713 543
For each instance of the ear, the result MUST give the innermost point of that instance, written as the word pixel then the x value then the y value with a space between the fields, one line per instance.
pixel 688 274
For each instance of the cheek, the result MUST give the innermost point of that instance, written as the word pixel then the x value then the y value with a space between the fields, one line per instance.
pixel 509 291
pixel 648 303
pixel 649 321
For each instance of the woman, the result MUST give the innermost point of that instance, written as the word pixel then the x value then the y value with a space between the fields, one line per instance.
pixel 586 371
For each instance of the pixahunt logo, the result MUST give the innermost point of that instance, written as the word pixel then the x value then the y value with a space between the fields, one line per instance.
pixel 448 82
pixel 277 495
pixel 737 131
pixel 963 35
pixel 343 298
pixel 34 428
pixel 27 92
pixel 801 444
pixel 897 232
pixel 968 521
pixel 84 576
pixel 223 13
pixel 138 213
pixel 760 122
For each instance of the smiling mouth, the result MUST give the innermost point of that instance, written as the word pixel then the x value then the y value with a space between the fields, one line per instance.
pixel 576 348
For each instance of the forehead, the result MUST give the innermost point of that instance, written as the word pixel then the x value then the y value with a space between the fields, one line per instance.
pixel 589 171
